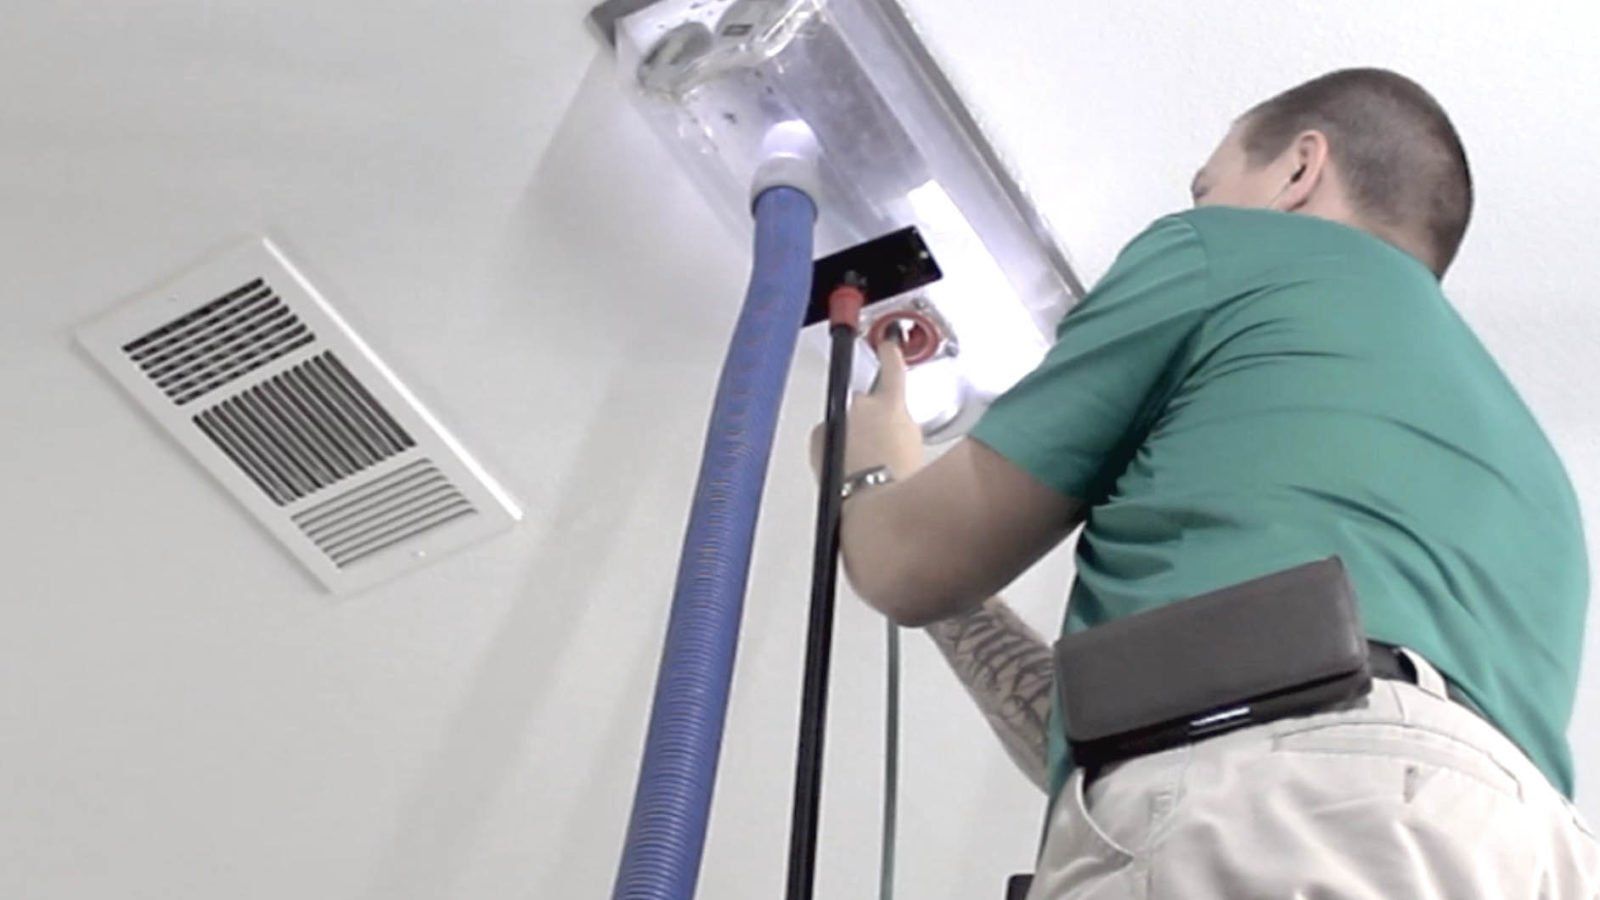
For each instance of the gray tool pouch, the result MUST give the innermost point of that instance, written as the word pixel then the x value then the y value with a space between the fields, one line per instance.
pixel 1279 645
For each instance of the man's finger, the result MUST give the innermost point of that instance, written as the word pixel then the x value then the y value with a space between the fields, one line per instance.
pixel 891 369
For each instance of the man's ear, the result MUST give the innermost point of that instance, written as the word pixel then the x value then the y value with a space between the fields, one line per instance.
pixel 1305 167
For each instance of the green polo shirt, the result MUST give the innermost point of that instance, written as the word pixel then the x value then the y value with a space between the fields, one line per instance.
pixel 1246 390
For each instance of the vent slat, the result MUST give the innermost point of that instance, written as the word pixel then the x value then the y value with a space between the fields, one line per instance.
pixel 261 436
pixel 400 506
pixel 292 439
pixel 380 428
pixel 358 392
pixel 365 404
pixel 255 326
pixel 358 554
pixel 366 501
pixel 401 520
pixel 159 355
pixel 328 387
pixel 371 517
pixel 206 387
pixel 310 430
pixel 302 385
pixel 237 453
pixel 144 343
pixel 399 479
pixel 223 340
pixel 243 364
pixel 264 465
pixel 294 434
pixel 356 511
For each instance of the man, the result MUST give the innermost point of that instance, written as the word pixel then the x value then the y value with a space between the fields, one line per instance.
pixel 1271 378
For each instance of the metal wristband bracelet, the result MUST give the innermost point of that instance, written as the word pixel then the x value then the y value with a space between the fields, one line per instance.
pixel 858 481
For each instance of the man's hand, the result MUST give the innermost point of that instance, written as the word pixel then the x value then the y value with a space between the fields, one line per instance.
pixel 941 538
pixel 880 432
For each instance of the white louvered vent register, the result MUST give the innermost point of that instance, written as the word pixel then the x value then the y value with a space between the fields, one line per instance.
pixel 251 370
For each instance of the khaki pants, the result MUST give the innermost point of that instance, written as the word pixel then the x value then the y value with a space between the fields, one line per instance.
pixel 1398 795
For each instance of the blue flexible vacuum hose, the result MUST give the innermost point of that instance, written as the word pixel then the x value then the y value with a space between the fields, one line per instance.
pixel 671 805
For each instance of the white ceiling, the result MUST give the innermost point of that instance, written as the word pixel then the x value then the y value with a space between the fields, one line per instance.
pixel 184 714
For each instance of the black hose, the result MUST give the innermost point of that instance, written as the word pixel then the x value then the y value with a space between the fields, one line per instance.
pixel 819 634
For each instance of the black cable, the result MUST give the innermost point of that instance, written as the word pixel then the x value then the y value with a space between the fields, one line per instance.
pixel 819 634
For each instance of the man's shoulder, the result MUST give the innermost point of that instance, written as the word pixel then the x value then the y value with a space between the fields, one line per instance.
pixel 1214 221
pixel 1249 244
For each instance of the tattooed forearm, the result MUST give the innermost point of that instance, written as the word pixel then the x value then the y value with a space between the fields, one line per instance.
pixel 1007 669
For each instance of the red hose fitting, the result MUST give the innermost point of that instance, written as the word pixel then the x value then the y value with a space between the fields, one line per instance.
pixel 844 306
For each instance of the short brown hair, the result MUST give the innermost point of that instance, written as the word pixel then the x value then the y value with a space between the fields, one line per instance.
pixel 1400 157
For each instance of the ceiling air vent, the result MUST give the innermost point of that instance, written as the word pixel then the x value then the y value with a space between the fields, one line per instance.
pixel 250 369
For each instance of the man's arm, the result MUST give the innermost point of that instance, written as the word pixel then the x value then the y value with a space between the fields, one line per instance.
pixel 944 536
pixel 1008 670
pixel 940 540
pixel 957 531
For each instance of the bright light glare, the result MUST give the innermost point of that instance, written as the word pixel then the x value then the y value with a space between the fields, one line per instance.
pixel 998 340
pixel 933 392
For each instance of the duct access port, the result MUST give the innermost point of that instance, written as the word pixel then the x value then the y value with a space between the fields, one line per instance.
pixel 923 333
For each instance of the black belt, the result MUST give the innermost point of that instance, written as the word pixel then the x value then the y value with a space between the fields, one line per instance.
pixel 1386 662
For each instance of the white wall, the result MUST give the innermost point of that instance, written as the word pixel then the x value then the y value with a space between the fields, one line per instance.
pixel 182 712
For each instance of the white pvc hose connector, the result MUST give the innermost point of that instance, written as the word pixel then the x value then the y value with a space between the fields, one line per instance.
pixel 790 157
